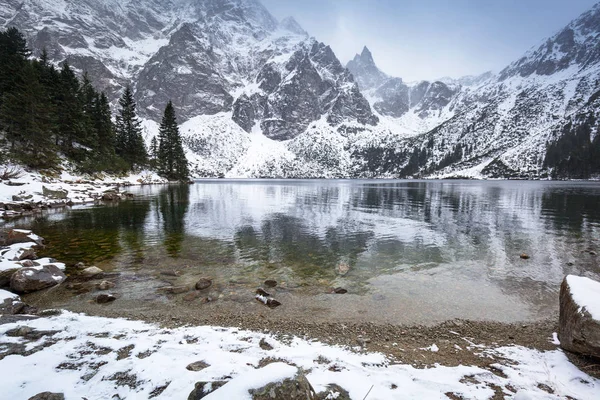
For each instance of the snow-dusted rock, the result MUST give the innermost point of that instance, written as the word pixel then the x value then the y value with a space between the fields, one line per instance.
pixel 296 388
pixel 27 280
pixel 579 329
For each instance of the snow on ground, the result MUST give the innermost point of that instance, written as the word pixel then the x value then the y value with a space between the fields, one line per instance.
pixel 5 295
pixel 586 293
pixel 29 186
pixel 82 360
pixel 10 255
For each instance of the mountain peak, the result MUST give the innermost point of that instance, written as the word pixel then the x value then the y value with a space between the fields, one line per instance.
pixel 365 71
pixel 367 55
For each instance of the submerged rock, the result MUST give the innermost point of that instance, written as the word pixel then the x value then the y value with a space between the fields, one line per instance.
pixel 579 328
pixel 27 280
pixel 270 283
pixel 203 283
pixel 525 256
pixel 91 271
pixel 105 298
pixel 340 290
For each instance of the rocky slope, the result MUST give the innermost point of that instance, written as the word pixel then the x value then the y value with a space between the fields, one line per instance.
pixel 209 57
pixel 501 126
pixel 259 98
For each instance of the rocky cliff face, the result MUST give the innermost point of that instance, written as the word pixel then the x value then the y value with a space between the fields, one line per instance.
pixel 208 56
pixel 392 97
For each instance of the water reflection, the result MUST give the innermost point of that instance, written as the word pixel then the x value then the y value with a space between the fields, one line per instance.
pixel 447 247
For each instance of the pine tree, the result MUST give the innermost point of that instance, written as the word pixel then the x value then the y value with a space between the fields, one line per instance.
pixel 171 160
pixel 129 141
pixel 27 119
pixel 71 127
pixel 154 153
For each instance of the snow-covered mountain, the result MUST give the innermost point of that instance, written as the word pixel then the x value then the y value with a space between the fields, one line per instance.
pixel 260 97
pixel 498 126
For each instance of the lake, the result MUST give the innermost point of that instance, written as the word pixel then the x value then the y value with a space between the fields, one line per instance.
pixel 407 252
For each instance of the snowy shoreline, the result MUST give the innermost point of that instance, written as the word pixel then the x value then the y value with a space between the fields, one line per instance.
pixel 32 192
pixel 98 358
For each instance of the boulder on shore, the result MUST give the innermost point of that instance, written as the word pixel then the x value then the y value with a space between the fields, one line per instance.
pixel 27 280
pixel 297 388
pixel 579 328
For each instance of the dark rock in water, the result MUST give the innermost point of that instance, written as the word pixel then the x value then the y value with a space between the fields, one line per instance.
pixel 297 388
pixel 340 290
pixel 265 345
pixel 48 396
pixel 197 366
pixel 525 256
pixel 593 253
pixel 266 299
pixel 203 389
pixel 27 280
pixel 334 391
pixel 578 330
pixel 262 292
pixel 105 298
pixel 203 283
pixel 111 196
pixel 270 283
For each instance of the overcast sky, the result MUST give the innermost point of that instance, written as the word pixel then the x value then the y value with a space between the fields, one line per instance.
pixel 428 39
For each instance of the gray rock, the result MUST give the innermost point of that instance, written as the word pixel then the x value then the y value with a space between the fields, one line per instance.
pixel 203 283
pixel 334 391
pixel 91 271
pixel 105 298
pixel 27 280
pixel 265 345
pixel 48 396
pixel 578 331
pixel 297 388
pixel 197 366
pixel 59 194
pixel 203 389
pixel 5 277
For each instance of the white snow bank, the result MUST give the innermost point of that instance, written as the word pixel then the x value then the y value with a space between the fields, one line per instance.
pixel 78 362
pixel 80 189
pixel 586 293
pixel 5 295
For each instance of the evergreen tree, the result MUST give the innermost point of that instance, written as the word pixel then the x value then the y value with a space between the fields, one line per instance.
pixel 71 127
pixel 26 114
pixel 171 160
pixel 154 153
pixel 129 141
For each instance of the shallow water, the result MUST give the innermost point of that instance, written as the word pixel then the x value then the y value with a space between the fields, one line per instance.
pixel 417 252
